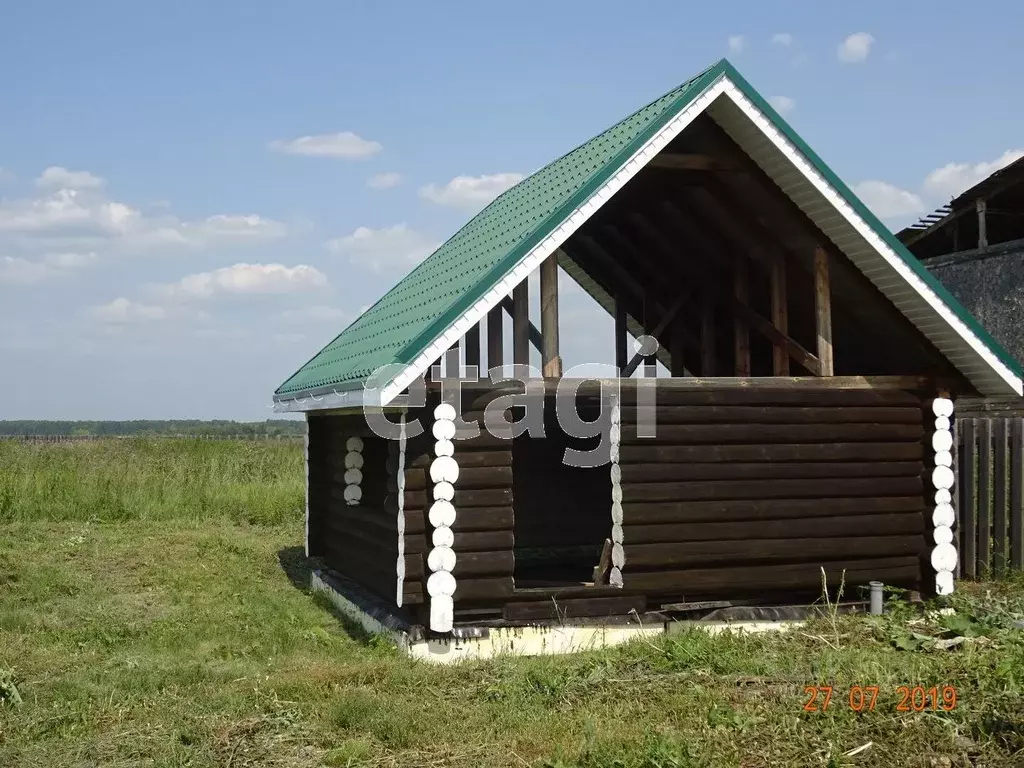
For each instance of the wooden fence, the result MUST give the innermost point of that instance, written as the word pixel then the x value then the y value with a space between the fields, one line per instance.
pixel 990 488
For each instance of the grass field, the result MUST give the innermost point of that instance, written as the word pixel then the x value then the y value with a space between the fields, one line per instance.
pixel 152 613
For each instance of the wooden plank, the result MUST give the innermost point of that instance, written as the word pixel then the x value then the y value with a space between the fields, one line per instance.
pixel 741 330
pixel 846 452
pixel 722 434
pixel 495 339
pixel 969 508
pixel 707 339
pixel 472 345
pixel 521 324
pixel 777 414
pixel 722 490
pixel 745 525
pixel 780 315
pixel 574 608
pixel 672 555
pixel 664 472
pixel 984 430
pixel 604 563
pixel 500 563
pixel 551 363
pixel 621 335
pixel 823 312
pixel 1017 494
pixel 761 578
pixel 1000 497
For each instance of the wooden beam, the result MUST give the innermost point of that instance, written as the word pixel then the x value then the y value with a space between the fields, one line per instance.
pixel 707 339
pixel 620 336
pixel 690 162
pixel 656 332
pixel 823 312
pixel 551 362
pixel 521 324
pixel 472 342
pixel 535 339
pixel 741 332
pixel 982 207
pixel 780 316
pixel 495 341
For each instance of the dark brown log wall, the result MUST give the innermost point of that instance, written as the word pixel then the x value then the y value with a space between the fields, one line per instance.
pixel 748 493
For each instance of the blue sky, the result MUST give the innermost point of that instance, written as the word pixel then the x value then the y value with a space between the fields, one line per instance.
pixel 195 197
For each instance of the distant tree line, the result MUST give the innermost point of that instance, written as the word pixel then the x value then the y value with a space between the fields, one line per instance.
pixel 215 428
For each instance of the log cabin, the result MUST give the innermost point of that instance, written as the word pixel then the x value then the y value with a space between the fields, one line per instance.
pixel 778 415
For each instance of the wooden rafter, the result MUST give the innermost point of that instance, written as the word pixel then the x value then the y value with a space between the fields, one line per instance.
pixel 688 270
pixel 508 305
pixel 656 332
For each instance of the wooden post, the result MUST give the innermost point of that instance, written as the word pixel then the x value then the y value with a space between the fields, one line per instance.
pixel 707 339
pixel 551 363
pixel 521 324
pixel 676 351
pixel 982 207
pixel 823 312
pixel 495 342
pixel 650 370
pixel 621 359
pixel 780 316
pixel 472 342
pixel 741 286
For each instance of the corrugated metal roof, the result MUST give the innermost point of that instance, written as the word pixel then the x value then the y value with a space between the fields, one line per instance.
pixel 410 320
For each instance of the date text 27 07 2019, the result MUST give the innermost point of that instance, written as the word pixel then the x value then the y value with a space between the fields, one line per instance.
pixel 864 698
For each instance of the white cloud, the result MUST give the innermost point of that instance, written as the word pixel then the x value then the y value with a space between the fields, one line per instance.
pixel 233 227
pixel 18 271
pixel 736 43
pixel 384 180
pixel 855 48
pixel 384 250
pixel 888 201
pixel 782 38
pixel 783 104
pixel 345 144
pixel 470 193
pixel 953 178
pixel 58 177
pixel 243 279
pixel 121 311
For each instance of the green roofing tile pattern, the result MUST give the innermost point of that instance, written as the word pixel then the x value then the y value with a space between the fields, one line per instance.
pixel 443 286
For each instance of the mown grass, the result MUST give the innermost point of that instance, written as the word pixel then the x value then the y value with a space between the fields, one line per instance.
pixel 146 641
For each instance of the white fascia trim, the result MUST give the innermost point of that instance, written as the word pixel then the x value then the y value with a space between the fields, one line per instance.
pixel 553 241
pixel 801 163
pixel 351 398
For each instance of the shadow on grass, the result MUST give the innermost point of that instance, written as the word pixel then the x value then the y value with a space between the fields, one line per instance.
pixel 299 570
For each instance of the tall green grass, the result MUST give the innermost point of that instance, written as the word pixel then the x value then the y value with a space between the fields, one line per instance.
pixel 151 479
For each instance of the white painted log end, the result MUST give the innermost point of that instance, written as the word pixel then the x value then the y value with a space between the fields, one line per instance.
pixel 443 430
pixel 942 406
pixel 442 535
pixel 442 613
pixel 944 459
pixel 441 583
pixel 616 493
pixel 444 448
pixel 942 478
pixel 616 513
pixel 353 476
pixel 616 533
pixel 618 556
pixel 616 472
pixel 614 454
pixel 943 515
pixel 944 583
pixel 943 496
pixel 444 469
pixel 942 440
pixel 353 494
pixel 441 514
pixel 441 559
pixel 444 412
pixel 353 460
pixel 615 577
pixel 944 558
pixel 354 443
pixel 942 534
pixel 444 491
pixel 943 422
pixel 615 434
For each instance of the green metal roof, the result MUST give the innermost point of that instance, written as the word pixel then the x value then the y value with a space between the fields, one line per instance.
pixel 421 307
pixel 446 283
